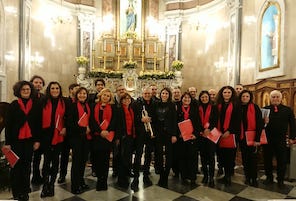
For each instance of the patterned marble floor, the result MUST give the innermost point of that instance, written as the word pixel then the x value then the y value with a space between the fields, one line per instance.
pixel 177 191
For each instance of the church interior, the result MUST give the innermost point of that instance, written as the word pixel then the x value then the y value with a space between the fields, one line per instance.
pixel 136 43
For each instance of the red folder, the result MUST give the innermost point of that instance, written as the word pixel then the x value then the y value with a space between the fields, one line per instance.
pixel 83 121
pixel 263 138
pixel 104 125
pixel 228 142
pixel 250 137
pixel 186 129
pixel 214 135
pixel 110 136
pixel 10 156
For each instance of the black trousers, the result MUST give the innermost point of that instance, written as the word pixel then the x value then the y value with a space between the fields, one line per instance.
pixel 20 173
pixel 249 159
pixel 141 140
pixel 187 159
pixel 36 162
pixel 163 154
pixel 207 155
pixel 228 160
pixel 51 162
pixel 64 160
pixel 80 149
pixel 101 151
pixel 279 150
pixel 125 159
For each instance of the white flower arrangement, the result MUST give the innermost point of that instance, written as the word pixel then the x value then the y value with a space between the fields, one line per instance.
pixel 130 64
pixel 177 65
pixel 82 60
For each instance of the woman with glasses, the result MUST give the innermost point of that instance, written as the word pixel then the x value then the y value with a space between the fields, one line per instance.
pixel 23 127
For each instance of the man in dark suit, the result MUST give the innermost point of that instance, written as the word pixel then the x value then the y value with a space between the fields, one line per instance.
pixel 280 119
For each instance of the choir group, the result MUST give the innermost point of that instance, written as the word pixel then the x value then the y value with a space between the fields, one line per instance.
pixel 94 125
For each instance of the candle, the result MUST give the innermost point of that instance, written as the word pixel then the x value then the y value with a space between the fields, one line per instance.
pixel 143 47
pixel 118 45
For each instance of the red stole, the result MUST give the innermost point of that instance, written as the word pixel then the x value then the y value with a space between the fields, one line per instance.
pixel 251 120
pixel 59 120
pixel 25 130
pixel 227 116
pixel 83 114
pixel 107 113
pixel 186 110
pixel 205 117
pixel 129 119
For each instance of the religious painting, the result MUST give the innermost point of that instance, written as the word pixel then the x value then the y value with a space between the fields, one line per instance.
pixel 265 99
pixel 270 36
pixel 130 17
pixel 172 48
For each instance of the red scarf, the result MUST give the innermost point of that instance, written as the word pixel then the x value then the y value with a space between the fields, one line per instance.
pixel 186 110
pixel 129 119
pixel 59 120
pixel 107 113
pixel 227 116
pixel 81 112
pixel 205 117
pixel 25 130
pixel 251 120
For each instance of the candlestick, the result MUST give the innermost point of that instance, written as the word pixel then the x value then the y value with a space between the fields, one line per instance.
pixel 104 46
pixel 118 45
pixel 155 47
pixel 143 47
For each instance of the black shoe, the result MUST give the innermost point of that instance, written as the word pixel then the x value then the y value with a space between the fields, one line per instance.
pixel 254 183
pixel 84 187
pixel 281 184
pixel 61 180
pixel 135 185
pixel 147 181
pixel 24 197
pixel 77 191
pixel 222 180
pixel 268 180
pixel 114 174
pixel 205 180
pixel 101 186
pixel 248 181
pixel 93 174
pixel 211 182
pixel 44 192
pixel 228 181
pixel 220 172
pixel 37 180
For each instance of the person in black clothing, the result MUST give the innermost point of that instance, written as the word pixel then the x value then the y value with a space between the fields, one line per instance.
pixel 280 118
pixel 228 124
pixel 209 117
pixel 187 150
pixel 126 134
pixel 99 84
pixel 102 124
pixel 38 83
pixel 251 123
pixel 120 91
pixel 79 136
pixel 144 137
pixel 22 135
pixel 53 132
pixel 165 127
pixel 64 160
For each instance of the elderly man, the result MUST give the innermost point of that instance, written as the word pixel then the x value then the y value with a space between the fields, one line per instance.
pixel 213 94
pixel 144 136
pixel 280 118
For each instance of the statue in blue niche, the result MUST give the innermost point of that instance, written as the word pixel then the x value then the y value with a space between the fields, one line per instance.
pixel 131 17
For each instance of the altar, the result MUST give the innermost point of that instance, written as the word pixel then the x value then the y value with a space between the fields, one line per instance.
pixel 132 48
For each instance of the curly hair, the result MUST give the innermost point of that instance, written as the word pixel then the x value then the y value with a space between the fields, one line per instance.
pixel 19 85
